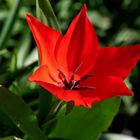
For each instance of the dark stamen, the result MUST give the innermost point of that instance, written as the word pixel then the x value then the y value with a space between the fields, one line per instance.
pixel 61 75
pixel 72 84
pixel 85 77
pixel 82 78
pixel 63 78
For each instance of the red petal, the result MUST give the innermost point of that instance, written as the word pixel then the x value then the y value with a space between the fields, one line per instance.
pixel 42 74
pixel 65 95
pixel 103 88
pixel 43 77
pixel 117 61
pixel 46 40
pixel 79 45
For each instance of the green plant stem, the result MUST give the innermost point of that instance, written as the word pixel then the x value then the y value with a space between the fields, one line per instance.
pixel 54 110
pixel 49 122
pixel 9 23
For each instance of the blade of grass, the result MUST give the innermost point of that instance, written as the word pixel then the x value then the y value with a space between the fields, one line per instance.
pixel 49 13
pixel 9 23
pixel 40 15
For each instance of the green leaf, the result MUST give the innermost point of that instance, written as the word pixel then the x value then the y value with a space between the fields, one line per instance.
pixel 40 15
pixel 116 137
pixel 87 124
pixel 45 103
pixel 49 13
pixel 9 23
pixel 24 47
pixel 13 63
pixel 21 115
pixel 10 138
pixel 69 107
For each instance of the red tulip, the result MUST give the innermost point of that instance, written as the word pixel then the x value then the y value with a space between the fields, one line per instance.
pixel 74 67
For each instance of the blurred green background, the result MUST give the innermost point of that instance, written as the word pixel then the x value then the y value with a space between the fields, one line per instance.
pixel 116 22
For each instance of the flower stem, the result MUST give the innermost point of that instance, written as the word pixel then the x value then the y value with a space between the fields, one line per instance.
pixel 54 110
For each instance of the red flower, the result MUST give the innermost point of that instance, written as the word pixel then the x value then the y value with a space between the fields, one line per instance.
pixel 74 67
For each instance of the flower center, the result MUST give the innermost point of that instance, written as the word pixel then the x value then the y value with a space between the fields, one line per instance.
pixel 73 84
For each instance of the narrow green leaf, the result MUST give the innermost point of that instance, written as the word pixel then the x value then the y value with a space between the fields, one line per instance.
pixel 49 13
pixel 9 23
pixel 13 64
pixel 20 114
pixel 24 48
pixel 31 57
pixel 10 138
pixel 112 136
pixel 40 15
pixel 86 124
